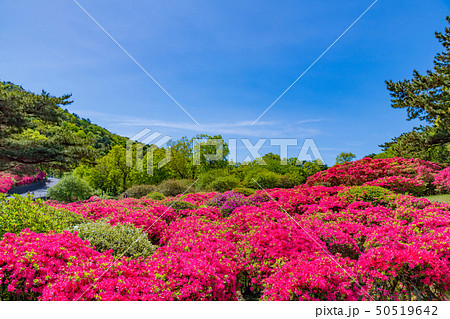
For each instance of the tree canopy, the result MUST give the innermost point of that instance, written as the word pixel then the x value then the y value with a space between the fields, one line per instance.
pixel 425 97
pixel 31 132
pixel 345 157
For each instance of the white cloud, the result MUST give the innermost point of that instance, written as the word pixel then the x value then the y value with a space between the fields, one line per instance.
pixel 309 121
pixel 242 128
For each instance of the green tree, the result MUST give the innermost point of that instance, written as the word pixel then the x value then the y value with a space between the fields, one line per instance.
pixel 345 157
pixel 426 97
pixel 415 144
pixel 181 165
pixel 111 172
pixel 31 131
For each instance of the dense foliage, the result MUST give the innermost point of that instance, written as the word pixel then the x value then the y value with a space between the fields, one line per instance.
pixel 442 181
pixel 19 212
pixel 412 176
pixel 120 240
pixel 32 131
pixel 113 176
pixel 70 189
pixel 425 97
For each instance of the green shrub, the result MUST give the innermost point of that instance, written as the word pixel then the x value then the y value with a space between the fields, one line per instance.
pixel 172 187
pixel 155 196
pixel 264 179
pixel 138 191
pixel 180 205
pixel 244 191
pixel 225 183
pixel 286 182
pixel 70 189
pixel 125 240
pixel 296 176
pixel 372 194
pixel 18 213
pixel 206 179
pixel 104 196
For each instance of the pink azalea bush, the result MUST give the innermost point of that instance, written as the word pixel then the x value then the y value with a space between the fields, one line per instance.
pixel 9 180
pixel 412 175
pixel 442 181
pixel 228 201
pixel 313 277
pixel 146 214
pixel 400 184
pixel 30 261
pixel 195 198
pixel 102 278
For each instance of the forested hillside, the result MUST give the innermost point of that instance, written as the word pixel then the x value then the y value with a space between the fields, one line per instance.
pixel 36 131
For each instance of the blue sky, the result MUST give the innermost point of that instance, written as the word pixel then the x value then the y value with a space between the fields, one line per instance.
pixel 225 62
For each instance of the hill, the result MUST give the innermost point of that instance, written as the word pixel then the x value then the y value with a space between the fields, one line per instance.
pixel 35 130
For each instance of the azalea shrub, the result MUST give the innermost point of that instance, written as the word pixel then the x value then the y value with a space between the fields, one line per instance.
pixel 373 194
pixel 314 277
pixel 6 182
pixel 148 215
pixel 121 240
pixel 179 205
pixel 345 241
pixel 442 181
pixel 398 174
pixel 18 213
pixel 227 202
pixel 400 184
pixel 29 261
pixel 103 278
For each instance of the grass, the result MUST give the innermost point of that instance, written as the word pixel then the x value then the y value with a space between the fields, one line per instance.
pixel 445 198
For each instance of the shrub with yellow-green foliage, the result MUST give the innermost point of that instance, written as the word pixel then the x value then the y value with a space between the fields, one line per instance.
pixel 138 191
pixel 172 187
pixel 155 196
pixel 18 213
pixel 372 194
pixel 180 205
pixel 123 240
pixel 224 183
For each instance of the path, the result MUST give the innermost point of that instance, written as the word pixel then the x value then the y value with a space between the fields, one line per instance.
pixel 41 192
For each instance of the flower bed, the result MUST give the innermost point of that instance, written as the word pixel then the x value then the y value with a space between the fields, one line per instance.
pixel 442 181
pixel 312 243
pixel 341 242
pixel 398 174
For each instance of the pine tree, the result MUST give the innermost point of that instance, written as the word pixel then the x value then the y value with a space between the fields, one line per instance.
pixel 30 130
pixel 427 98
